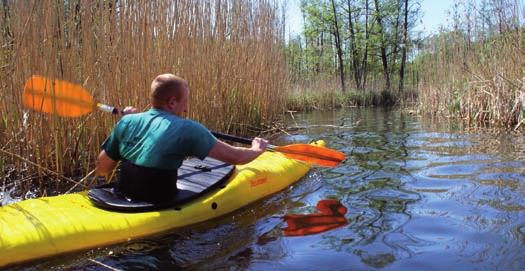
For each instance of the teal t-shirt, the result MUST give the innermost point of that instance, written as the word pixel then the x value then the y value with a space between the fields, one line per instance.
pixel 158 139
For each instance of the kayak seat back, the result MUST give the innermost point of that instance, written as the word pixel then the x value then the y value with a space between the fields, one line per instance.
pixel 145 183
pixel 195 178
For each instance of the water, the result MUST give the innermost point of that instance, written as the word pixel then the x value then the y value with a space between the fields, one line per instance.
pixel 421 195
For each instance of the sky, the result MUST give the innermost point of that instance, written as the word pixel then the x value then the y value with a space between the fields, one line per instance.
pixel 434 15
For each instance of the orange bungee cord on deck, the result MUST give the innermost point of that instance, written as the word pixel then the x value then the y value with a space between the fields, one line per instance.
pixel 331 216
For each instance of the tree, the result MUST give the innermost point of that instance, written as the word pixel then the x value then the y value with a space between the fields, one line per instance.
pixel 358 40
pixel 337 36
pixel 382 37
pixel 404 48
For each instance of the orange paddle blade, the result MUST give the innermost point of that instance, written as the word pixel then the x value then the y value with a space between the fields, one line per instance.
pixel 312 154
pixel 57 97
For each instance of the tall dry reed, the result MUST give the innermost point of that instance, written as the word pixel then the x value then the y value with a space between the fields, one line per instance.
pixel 477 70
pixel 229 51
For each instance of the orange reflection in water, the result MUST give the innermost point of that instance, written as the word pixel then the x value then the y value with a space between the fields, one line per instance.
pixel 330 216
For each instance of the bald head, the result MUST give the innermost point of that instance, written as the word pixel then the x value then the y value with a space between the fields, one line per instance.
pixel 166 86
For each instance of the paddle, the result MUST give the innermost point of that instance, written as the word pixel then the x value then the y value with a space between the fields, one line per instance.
pixel 72 100
pixel 305 152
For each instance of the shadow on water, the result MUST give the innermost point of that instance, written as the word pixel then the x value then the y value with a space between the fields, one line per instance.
pixel 420 194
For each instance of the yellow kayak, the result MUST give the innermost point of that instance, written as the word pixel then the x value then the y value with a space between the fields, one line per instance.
pixel 49 226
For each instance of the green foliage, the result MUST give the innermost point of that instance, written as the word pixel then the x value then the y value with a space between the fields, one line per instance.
pixel 313 56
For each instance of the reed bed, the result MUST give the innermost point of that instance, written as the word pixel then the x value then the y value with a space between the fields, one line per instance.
pixel 229 51
pixel 326 95
pixel 477 73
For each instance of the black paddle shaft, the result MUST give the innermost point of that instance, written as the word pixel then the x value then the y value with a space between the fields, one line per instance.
pixel 232 138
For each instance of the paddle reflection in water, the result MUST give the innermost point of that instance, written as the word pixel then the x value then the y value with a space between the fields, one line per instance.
pixel 331 216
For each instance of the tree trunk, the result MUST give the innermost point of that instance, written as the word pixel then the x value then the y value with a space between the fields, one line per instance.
pixel 353 47
pixel 338 46
pixel 404 52
pixel 319 51
pixel 384 59
pixel 396 42
pixel 364 65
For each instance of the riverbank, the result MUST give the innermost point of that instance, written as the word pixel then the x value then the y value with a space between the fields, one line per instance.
pixel 480 81
pixel 330 99
pixel 308 100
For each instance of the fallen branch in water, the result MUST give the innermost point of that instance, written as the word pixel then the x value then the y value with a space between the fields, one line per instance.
pixel 104 265
pixel 321 125
pixel 81 181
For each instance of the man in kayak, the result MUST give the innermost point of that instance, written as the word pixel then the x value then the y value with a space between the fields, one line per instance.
pixel 153 144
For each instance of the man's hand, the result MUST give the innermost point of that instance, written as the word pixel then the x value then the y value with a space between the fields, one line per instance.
pixel 104 164
pixel 259 144
pixel 129 110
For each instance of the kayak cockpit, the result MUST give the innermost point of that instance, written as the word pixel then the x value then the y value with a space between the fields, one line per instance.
pixel 195 178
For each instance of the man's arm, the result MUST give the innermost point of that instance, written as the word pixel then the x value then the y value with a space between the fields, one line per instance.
pixel 238 155
pixel 104 164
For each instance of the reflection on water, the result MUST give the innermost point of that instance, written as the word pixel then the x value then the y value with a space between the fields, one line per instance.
pixel 421 195
pixel 330 215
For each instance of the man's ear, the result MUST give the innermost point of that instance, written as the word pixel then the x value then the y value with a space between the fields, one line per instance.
pixel 171 102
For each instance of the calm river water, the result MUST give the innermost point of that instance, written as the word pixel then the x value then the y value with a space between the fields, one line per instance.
pixel 421 195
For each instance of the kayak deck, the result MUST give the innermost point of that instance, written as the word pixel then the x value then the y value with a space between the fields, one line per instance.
pixel 44 227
